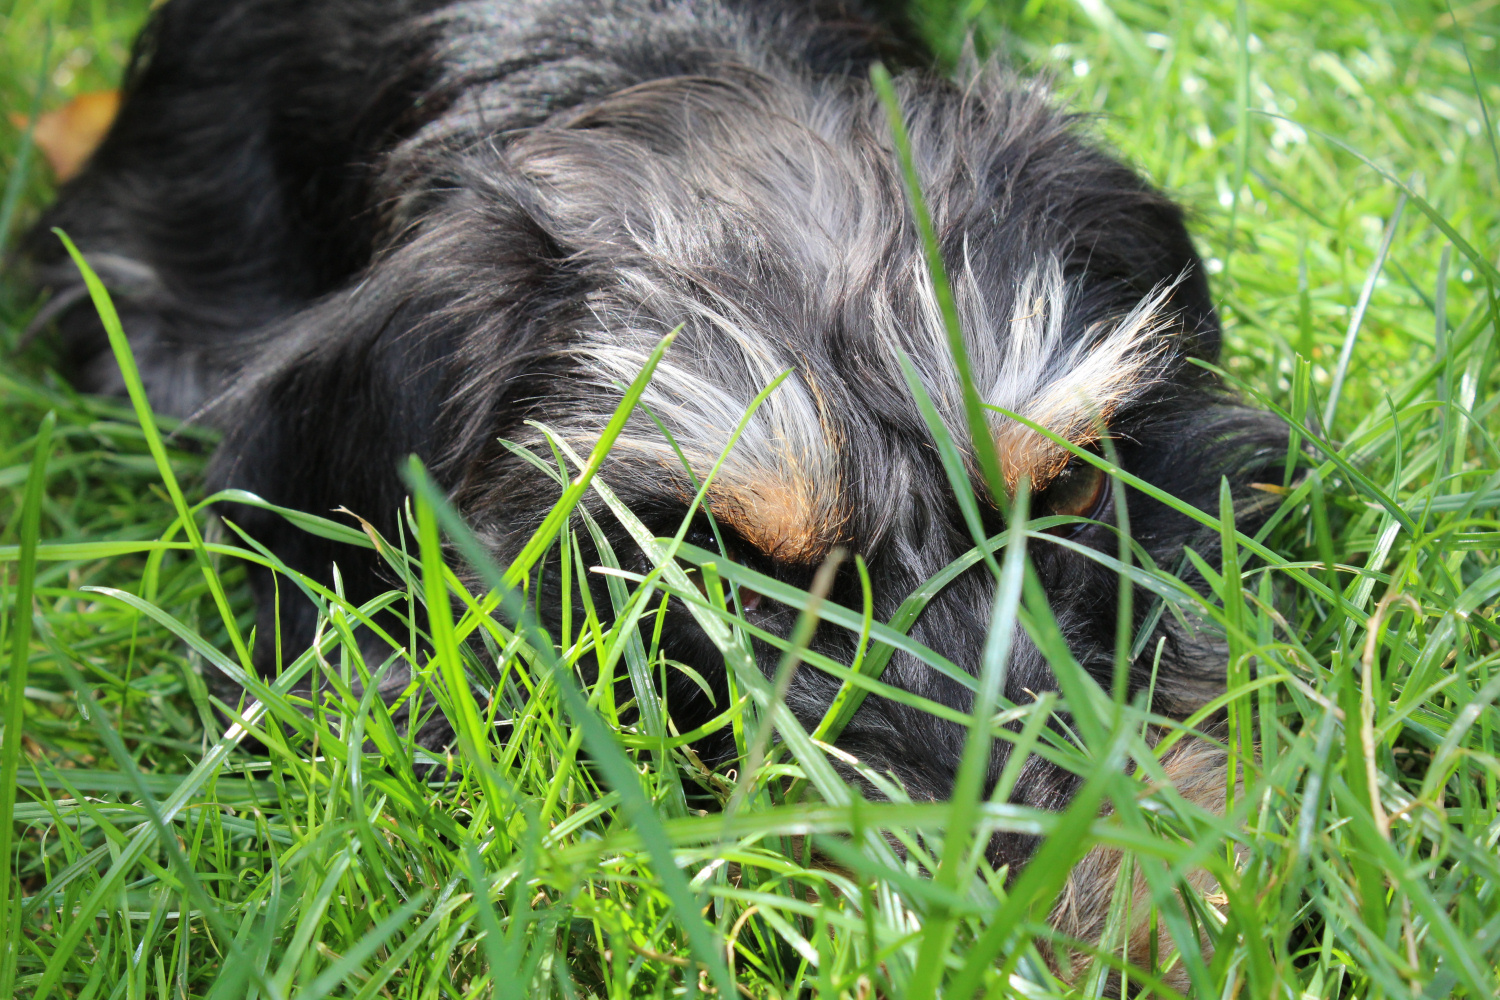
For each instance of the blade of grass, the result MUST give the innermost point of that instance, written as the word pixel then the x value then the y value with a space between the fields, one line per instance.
pixel 1480 262
pixel 801 637
pixel 980 438
pixel 131 375
pixel 157 818
pixel 15 695
pixel 145 838
pixel 1357 318
pixel 1045 874
pixel 375 939
pixel 558 516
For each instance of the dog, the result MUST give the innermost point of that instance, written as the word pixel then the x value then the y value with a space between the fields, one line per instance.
pixel 348 231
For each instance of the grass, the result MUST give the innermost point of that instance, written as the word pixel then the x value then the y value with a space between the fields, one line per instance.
pixel 1341 164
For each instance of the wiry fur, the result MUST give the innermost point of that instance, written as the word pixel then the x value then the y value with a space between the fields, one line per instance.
pixel 349 230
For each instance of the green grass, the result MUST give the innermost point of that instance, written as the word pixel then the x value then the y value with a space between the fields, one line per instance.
pixel 150 856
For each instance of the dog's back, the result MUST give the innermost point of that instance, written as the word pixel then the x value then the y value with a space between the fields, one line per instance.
pixel 268 149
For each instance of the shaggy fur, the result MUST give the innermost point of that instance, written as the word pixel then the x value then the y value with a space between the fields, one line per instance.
pixel 346 231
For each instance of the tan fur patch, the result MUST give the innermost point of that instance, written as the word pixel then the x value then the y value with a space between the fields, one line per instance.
pixel 1197 770
pixel 786 519
pixel 1024 452
pixel 1078 406
pixel 1077 409
pixel 789 514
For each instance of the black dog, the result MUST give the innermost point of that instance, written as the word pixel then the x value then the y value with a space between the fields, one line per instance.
pixel 352 230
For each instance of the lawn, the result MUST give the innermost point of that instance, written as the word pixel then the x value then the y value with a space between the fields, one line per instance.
pixel 1340 161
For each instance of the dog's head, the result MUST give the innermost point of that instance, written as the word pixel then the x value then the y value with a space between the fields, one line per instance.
pixel 767 219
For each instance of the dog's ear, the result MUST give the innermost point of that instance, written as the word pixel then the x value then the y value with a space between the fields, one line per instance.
pixel 1118 237
pixel 419 357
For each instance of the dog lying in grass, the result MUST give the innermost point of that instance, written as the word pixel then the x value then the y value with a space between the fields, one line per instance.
pixel 347 231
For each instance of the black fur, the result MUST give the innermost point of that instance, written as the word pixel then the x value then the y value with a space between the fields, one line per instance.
pixel 345 231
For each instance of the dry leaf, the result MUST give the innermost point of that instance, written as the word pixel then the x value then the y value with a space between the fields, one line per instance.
pixel 69 135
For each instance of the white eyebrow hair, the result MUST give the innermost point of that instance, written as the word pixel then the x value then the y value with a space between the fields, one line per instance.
pixel 780 487
pixel 1025 364
pixel 1093 381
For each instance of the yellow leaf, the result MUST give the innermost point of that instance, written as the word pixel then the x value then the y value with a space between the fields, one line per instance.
pixel 69 135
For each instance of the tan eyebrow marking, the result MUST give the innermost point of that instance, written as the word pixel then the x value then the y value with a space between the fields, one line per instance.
pixel 1024 452
pixel 787 518
pixel 1098 381
pixel 787 515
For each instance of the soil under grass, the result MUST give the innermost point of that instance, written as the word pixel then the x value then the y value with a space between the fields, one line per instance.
pixel 1341 164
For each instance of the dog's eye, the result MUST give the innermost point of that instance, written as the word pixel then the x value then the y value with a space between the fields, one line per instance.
pixel 702 536
pixel 1078 491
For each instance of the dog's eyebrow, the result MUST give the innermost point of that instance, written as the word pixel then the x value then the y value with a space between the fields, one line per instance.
pixel 1081 421
pixel 788 518
pixel 792 514
pixel 780 486
pixel 1023 452
pixel 1094 384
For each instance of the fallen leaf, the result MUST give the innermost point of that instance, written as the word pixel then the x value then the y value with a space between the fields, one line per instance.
pixel 69 135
